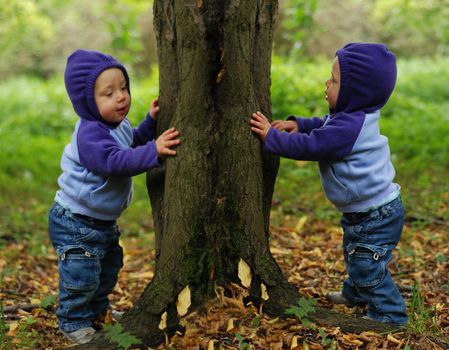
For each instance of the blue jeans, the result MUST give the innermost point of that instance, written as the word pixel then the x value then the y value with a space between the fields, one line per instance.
pixel 368 242
pixel 89 259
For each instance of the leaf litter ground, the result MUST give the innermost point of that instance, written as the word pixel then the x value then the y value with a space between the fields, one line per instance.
pixel 309 254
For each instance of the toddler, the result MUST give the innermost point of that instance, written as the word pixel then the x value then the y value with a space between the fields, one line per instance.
pixel 356 172
pixel 96 186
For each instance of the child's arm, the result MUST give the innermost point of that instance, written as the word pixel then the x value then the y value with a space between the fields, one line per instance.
pixel 306 125
pixel 100 153
pixel 146 131
pixel 297 124
pixel 332 141
pixel 285 125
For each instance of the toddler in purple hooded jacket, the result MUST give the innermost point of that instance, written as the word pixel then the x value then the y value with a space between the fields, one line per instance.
pixel 96 186
pixel 356 172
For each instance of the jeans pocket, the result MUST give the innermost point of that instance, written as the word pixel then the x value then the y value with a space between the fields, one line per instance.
pixel 99 238
pixel 366 264
pixel 79 270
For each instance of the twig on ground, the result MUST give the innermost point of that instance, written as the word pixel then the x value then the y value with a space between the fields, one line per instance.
pixel 24 307
pixel 405 288
pixel 421 217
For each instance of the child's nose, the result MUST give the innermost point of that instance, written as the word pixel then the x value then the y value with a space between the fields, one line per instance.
pixel 121 95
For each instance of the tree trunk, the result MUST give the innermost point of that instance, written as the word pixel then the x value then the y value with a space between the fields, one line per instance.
pixel 211 203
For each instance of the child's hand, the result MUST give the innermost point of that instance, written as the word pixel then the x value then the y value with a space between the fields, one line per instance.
pixel 154 108
pixel 260 125
pixel 166 140
pixel 285 125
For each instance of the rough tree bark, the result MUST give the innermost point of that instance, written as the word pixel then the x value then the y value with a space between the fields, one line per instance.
pixel 211 203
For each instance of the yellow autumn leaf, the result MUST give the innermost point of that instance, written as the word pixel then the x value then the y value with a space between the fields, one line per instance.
pixel 294 343
pixel 220 76
pixel 210 345
pixel 263 292
pixel 273 320
pixel 184 301
pixel 13 328
pixel 142 275
pixel 244 273
pixel 317 252
pixel 393 339
pixel 230 325
pixel 163 323
pixel 300 224
pixel 280 251
pixel 352 340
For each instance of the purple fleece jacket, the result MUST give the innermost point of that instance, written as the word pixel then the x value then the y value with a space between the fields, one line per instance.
pixel 102 157
pixel 354 158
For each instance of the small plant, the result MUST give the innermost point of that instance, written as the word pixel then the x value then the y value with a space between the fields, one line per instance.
pixel 304 307
pixel 5 341
pixel 255 321
pixel 48 301
pixel 407 345
pixel 28 337
pixel 422 317
pixel 243 345
pixel 325 341
pixel 116 334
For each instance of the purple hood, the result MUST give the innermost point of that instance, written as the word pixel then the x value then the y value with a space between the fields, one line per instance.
pixel 82 70
pixel 367 77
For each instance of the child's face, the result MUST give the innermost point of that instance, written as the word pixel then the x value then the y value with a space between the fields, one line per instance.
pixel 333 84
pixel 111 95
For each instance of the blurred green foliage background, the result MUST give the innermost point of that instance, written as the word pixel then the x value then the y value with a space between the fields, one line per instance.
pixel 37 35
pixel 37 118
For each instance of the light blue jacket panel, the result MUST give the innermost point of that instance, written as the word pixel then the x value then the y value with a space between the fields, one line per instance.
pixel 87 193
pixel 365 176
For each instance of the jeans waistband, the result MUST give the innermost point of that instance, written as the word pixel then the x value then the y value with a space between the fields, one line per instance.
pixel 64 209
pixel 358 216
pixel 94 221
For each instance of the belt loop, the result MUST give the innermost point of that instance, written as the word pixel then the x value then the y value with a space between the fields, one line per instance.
pixel 60 209
pixel 67 212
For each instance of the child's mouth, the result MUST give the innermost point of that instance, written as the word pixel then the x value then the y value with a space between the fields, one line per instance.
pixel 122 110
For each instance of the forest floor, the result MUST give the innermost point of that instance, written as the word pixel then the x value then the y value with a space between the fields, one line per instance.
pixel 309 254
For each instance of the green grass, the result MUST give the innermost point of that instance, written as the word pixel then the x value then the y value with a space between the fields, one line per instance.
pixel 37 121
pixel 422 318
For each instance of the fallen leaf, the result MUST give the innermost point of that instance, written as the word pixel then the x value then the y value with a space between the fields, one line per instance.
pixel 244 273
pixel 211 344
pixel 13 328
pixel 184 301
pixel 300 224
pixel 230 324
pixel 163 322
pixel 294 342
pixel 263 290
